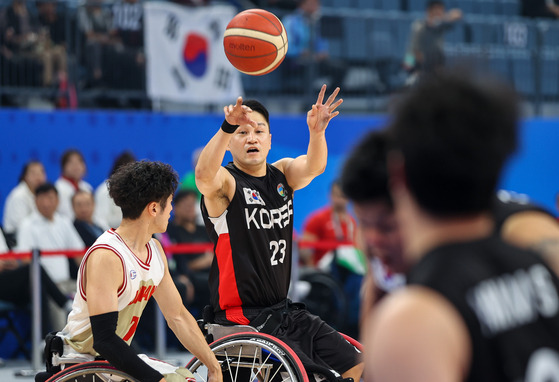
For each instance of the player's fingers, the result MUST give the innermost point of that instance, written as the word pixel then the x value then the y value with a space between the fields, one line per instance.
pixel 239 101
pixel 336 104
pixel 334 114
pixel 321 95
pixel 332 96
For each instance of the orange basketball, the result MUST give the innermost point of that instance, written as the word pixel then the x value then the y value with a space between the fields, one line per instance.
pixel 255 42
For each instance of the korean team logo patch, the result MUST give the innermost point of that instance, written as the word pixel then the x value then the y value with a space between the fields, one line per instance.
pixel 252 197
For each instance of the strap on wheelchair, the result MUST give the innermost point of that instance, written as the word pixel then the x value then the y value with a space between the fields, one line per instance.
pixel 270 319
pixel 53 345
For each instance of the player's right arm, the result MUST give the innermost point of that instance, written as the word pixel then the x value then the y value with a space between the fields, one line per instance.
pixel 215 182
pixel 104 275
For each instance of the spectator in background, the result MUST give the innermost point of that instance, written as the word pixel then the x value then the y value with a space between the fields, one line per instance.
pixel 188 182
pixel 15 287
pixel 425 50
pixel 20 202
pixel 192 268
pixel 307 48
pixel 73 169
pixel 128 69
pixel 95 25
pixel 107 214
pixel 83 205
pixel 332 223
pixel 25 37
pixel 48 230
pixel 55 23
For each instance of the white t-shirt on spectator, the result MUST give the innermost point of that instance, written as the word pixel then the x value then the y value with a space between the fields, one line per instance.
pixel 65 192
pixel 20 203
pixel 107 214
pixel 36 232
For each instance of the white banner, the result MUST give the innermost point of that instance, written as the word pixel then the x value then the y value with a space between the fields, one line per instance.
pixel 185 57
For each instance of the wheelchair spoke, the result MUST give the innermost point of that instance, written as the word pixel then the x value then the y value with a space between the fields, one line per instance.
pixel 253 362
pixel 238 363
pixel 229 365
pixel 263 363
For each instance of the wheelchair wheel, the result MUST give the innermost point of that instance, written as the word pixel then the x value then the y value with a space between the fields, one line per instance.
pixel 95 371
pixel 326 298
pixel 252 357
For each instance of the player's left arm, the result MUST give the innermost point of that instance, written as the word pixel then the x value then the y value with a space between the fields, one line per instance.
pixel 300 171
pixel 182 323
pixel 536 230
pixel 420 327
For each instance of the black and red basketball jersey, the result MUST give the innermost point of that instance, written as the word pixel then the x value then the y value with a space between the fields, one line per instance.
pixel 252 244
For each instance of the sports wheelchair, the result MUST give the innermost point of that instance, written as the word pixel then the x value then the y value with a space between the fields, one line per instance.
pixel 245 355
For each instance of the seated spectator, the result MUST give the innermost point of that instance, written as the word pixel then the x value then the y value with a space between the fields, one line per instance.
pixel 425 52
pixel 72 171
pixel 48 230
pixel 307 47
pixel 83 205
pixel 107 214
pixel 128 69
pixel 15 287
pixel 188 182
pixel 95 24
pixel 24 37
pixel 191 269
pixel 55 23
pixel 345 263
pixel 20 202
pixel 332 223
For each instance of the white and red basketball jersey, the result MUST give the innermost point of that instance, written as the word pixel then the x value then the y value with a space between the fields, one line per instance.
pixel 140 279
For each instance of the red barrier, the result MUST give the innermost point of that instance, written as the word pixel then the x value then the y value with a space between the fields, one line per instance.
pixel 189 248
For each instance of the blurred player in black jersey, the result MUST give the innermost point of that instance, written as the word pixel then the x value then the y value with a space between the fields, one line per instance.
pixel 364 180
pixel 474 308
pixel 247 207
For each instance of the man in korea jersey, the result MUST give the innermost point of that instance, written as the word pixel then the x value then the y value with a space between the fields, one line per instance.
pixel 475 307
pixel 119 274
pixel 248 211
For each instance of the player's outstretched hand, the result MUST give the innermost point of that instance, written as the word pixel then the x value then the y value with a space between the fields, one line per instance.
pixel 238 114
pixel 320 114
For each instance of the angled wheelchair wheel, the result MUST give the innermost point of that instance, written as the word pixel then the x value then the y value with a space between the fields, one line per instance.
pixel 252 357
pixel 95 371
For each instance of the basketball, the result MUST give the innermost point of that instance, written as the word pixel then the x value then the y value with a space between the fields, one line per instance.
pixel 255 42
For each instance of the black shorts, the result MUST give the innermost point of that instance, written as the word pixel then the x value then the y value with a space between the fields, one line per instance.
pixel 316 342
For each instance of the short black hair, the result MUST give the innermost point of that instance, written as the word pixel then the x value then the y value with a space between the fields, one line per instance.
pixel 44 188
pixel 67 154
pixel 434 3
pixel 26 168
pixel 259 108
pixel 136 184
pixel 364 175
pixel 183 194
pixel 455 130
